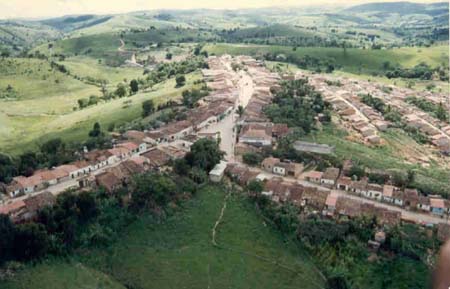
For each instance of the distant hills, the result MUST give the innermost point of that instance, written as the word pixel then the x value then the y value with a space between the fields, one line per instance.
pixel 378 17
pixel 402 8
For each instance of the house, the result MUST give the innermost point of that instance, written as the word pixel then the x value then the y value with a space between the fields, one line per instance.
pixel 398 198
pixel 109 181
pixel 348 207
pixel 374 191
pixel 177 130
pixel 83 168
pixel 359 187
pixel 13 209
pixel 132 148
pixel 329 177
pixel 313 176
pixel 315 198
pixel 287 169
pixel 344 183
pixel 411 198
pixel 216 174
pixel 388 193
pixel 269 163
pixel 330 203
pixel 279 130
pixel 423 204
pixel 157 158
pixel 256 135
pixel 66 172
pixel 437 206
pixel 98 158
pixel 37 202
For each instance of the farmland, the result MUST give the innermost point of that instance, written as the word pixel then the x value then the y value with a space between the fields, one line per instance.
pixel 178 253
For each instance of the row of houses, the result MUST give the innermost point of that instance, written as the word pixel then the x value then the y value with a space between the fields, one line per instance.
pixel 366 120
pixel 407 198
pixel 89 162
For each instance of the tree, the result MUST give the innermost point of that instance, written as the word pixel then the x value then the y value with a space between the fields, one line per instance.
pixel 5 54
pixel 169 56
pixel 240 110
pixel 96 130
pixel 204 154
pixel 134 86
pixel 7 168
pixel 148 107
pixel 180 80
pixel 121 90
pixel 30 241
pixel 441 112
pixel 252 159
pixel 150 190
pixel 255 187
pixel 7 231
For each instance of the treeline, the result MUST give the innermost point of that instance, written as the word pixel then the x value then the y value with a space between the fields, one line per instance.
pixel 305 62
pixel 421 71
pixel 298 105
pixel 341 252
pixel 96 218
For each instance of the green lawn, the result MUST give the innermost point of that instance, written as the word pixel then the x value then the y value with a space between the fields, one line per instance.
pixel 349 60
pixel 178 253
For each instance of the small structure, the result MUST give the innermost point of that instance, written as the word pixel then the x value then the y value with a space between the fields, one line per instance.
pixel 437 206
pixel 313 176
pixel 309 147
pixel 216 174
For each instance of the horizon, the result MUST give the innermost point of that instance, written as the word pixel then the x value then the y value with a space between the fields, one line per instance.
pixel 20 9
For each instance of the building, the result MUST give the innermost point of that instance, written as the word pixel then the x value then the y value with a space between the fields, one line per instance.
pixel 37 202
pixel 216 174
pixel 313 176
pixel 330 203
pixel 256 135
pixel 437 206
pixel 303 146
pixel 374 191
pixel 344 183
pixel 388 193
pixel 423 204
pixel 329 177
pixel 269 163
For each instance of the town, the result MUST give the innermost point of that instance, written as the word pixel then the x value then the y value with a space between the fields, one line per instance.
pixel 243 83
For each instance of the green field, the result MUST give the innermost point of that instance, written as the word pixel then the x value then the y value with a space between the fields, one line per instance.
pixel 178 253
pixel 349 60
pixel 45 102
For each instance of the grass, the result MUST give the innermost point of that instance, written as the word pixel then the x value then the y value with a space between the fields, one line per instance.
pixel 178 253
pixel 28 129
pixel 350 60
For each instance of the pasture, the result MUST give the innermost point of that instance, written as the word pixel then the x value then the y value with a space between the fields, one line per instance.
pixel 178 253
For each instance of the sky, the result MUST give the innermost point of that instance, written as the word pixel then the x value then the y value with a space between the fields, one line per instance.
pixel 51 8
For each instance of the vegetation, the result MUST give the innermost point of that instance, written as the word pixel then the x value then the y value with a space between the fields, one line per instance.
pixel 340 248
pixel 297 104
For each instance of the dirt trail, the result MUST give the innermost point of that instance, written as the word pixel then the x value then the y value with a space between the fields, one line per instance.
pixel 122 45
pixel 242 252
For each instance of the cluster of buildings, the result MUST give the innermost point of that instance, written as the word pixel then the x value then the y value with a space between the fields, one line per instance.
pixel 409 199
pixel 344 95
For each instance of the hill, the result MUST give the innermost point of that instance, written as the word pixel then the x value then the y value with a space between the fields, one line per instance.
pixel 178 253
pixel 402 8
pixel 16 35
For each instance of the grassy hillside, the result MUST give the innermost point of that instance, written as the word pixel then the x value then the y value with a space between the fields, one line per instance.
pixel 178 253
pixel 348 60
pixel 46 109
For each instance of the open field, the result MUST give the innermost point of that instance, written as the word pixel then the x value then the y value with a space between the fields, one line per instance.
pixel 178 253
pixel 348 60
pixel 33 121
